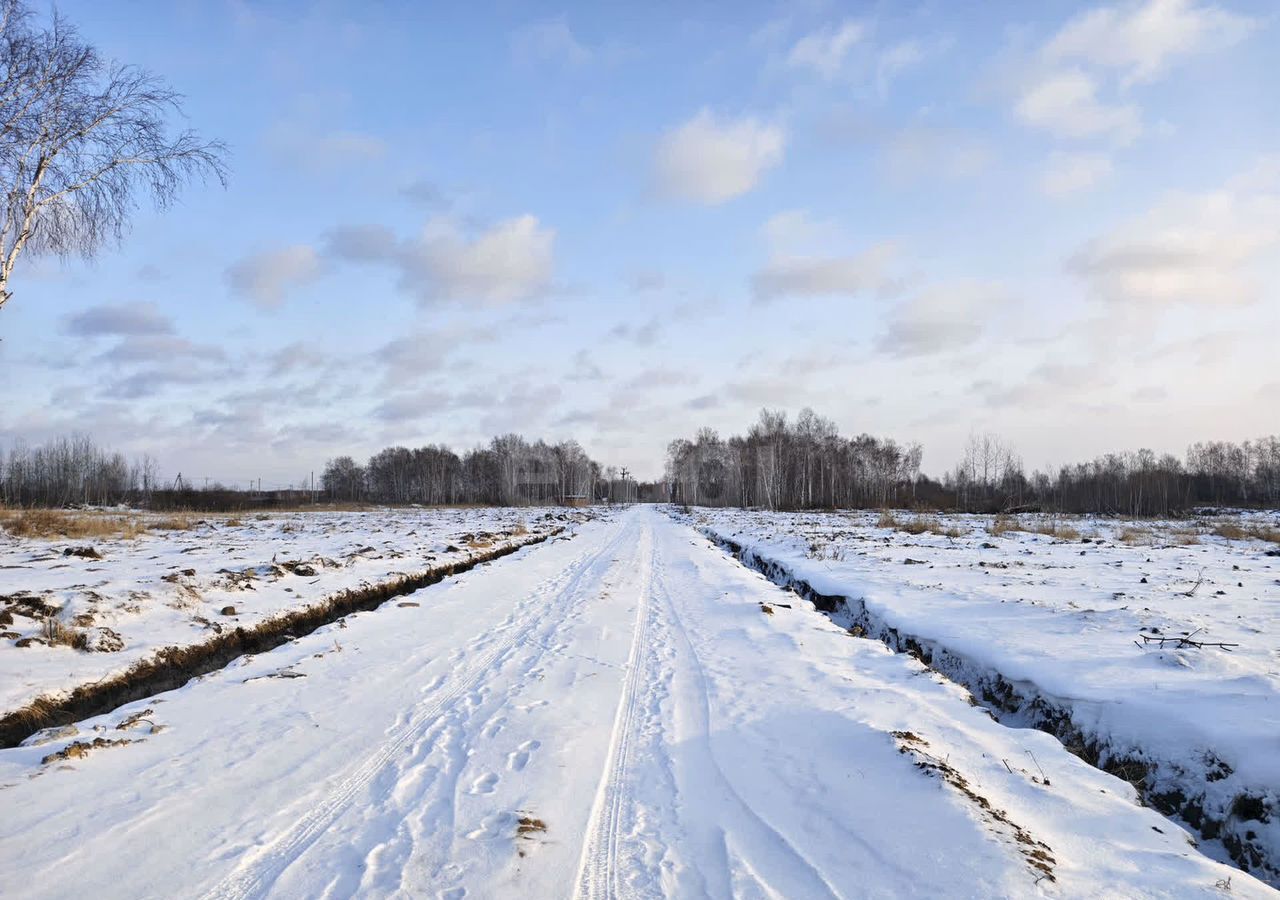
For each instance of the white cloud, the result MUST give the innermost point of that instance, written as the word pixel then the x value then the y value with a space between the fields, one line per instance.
pixel 119 319
pixel 1142 39
pixel 265 278
pixel 808 258
pixel 1071 173
pixel 1191 248
pixel 944 317
pixel 894 60
pixel 826 49
pixel 511 260
pixel 709 160
pixel 1065 103
pixel 919 152
pixel 321 153
pixel 792 229
pixel 825 276
pixel 551 41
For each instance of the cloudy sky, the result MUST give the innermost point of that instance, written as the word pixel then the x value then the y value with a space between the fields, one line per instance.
pixel 1056 221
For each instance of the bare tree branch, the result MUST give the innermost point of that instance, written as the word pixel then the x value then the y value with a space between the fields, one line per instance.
pixel 81 140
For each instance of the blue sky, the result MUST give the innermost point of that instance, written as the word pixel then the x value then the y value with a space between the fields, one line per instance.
pixel 617 222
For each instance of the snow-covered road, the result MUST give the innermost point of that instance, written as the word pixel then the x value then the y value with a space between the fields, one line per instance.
pixel 629 712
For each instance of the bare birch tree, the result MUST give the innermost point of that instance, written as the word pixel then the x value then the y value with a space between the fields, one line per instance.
pixel 81 138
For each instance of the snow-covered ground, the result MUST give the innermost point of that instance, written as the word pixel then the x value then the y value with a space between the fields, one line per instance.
pixel 169 588
pixel 1049 630
pixel 627 712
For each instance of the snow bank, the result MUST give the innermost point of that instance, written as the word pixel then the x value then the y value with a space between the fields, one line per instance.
pixel 1043 630
pixel 73 617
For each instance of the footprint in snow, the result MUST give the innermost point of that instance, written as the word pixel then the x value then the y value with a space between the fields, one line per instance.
pixel 492 828
pixel 519 758
pixel 485 784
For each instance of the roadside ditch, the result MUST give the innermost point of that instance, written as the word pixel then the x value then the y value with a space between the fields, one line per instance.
pixel 1205 799
pixel 172 667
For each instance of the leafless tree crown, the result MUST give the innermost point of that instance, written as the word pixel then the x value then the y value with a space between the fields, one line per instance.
pixel 81 138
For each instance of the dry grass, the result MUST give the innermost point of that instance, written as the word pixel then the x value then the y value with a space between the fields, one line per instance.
pixel 1054 528
pixel 57 523
pixel 1132 534
pixel 55 633
pixel 174 523
pixel 1234 532
pixel 528 825
pixel 1003 524
pixel 918 525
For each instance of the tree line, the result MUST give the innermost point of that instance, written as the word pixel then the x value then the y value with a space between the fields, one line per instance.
pixel 778 464
pixel 72 470
pixel 807 464
pixel 804 464
pixel 510 471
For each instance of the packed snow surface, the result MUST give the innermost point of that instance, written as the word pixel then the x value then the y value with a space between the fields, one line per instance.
pixel 624 711
pixel 1073 617
pixel 170 588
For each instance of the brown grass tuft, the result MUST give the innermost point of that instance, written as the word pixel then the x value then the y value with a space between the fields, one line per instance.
pixel 58 523
pixel 1055 529
pixel 1135 535
pixel 174 523
pixel 1234 532
pixel 1003 524
pixel 56 633
pixel 918 525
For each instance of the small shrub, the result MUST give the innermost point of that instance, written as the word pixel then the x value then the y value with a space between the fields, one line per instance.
pixel 887 520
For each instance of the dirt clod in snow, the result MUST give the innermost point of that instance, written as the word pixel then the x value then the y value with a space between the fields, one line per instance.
pixel 80 749
pixel 103 640
pixel 82 552
pixel 527 826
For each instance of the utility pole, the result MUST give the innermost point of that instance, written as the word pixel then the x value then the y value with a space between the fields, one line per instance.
pixel 626 491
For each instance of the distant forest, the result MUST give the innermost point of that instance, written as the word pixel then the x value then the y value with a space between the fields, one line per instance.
pixel 807 464
pixel 509 471
pixel 779 463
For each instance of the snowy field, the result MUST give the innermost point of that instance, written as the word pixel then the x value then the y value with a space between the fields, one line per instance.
pixel 628 712
pixel 128 597
pixel 1062 628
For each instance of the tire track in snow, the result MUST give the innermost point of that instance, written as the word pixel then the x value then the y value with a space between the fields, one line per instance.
pixel 255 878
pixel 744 842
pixel 598 868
